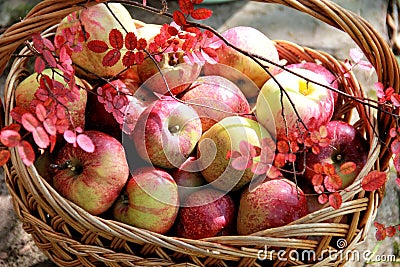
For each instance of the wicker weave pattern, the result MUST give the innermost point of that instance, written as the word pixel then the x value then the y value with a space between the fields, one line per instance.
pixel 72 237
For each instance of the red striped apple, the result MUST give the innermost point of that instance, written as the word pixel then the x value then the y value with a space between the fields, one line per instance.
pixel 253 41
pixel 215 98
pixel 93 181
pixel 276 110
pixel 150 200
pixel 167 132
pixel 271 204
pixel 206 213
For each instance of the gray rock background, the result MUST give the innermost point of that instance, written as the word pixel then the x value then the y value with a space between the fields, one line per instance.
pixel 277 22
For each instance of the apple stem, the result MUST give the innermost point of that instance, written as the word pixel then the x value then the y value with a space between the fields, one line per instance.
pixel 174 129
pixel 61 166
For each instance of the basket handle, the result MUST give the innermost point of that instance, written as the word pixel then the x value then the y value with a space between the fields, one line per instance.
pixel 49 12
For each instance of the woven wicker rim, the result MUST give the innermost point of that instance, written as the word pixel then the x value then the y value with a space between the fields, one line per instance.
pixel 52 220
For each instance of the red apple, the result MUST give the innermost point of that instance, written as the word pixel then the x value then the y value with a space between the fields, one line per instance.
pixel 93 181
pixel 253 41
pixel 215 98
pixel 25 93
pixel 97 21
pixel 346 145
pixel 167 132
pixel 188 178
pixel 271 204
pixel 313 103
pixel 150 200
pixel 206 213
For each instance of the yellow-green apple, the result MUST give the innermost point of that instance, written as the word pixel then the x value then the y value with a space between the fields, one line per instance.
pixel 167 132
pixel 253 41
pixel 319 69
pixel 149 201
pixel 288 98
pixel 346 145
pixel 271 204
pixel 93 181
pixel 215 98
pixel 25 93
pixel 215 144
pixel 97 22
pixel 206 213
pixel 188 178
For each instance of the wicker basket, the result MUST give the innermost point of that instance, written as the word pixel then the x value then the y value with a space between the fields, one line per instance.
pixel 69 236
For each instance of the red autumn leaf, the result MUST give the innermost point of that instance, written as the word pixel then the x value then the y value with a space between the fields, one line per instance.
pixel 395 98
pixel 318 168
pixel 26 152
pixel 10 138
pixel 111 58
pixel 85 143
pixel 116 39
pixel 29 122
pixel 241 163
pixel 348 167
pixel 41 112
pixel 209 55
pixel 282 146
pixel 48 56
pixel 40 65
pixel 4 157
pixel 322 199
pixel 396 162
pixel 332 182
pixel 142 44
pixel 335 200
pixel 395 146
pixel 179 18
pixel 53 142
pixel 201 13
pixel 186 6
pixel 49 126
pixel 41 137
pixel 319 189
pixel 373 180
pixel 393 132
pixel 70 136
pixel 390 231
pixel 317 179
pixel 128 59
pixel 97 46
pixel 172 31
pixel 380 234
pixel 329 169
pixel 131 41
pixel 139 57
pixel 17 112
pixel 12 126
pixel 398 182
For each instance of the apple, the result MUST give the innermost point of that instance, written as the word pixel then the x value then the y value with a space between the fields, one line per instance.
pixel 97 21
pixel 246 85
pixel 215 98
pixel 253 41
pixel 214 145
pixel 149 201
pixel 314 103
pixel 25 93
pixel 93 181
pixel 271 204
pixel 346 145
pixel 167 132
pixel 206 213
pixel 319 69
pixel 43 165
pixel 188 178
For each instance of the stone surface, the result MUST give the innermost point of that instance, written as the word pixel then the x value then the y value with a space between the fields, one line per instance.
pixel 277 22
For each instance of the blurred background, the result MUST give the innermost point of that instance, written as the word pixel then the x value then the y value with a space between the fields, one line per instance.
pixel 277 22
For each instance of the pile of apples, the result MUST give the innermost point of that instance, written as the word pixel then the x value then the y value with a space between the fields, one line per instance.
pixel 168 170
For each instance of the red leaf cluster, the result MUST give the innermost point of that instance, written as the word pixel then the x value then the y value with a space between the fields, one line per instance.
pixel 382 231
